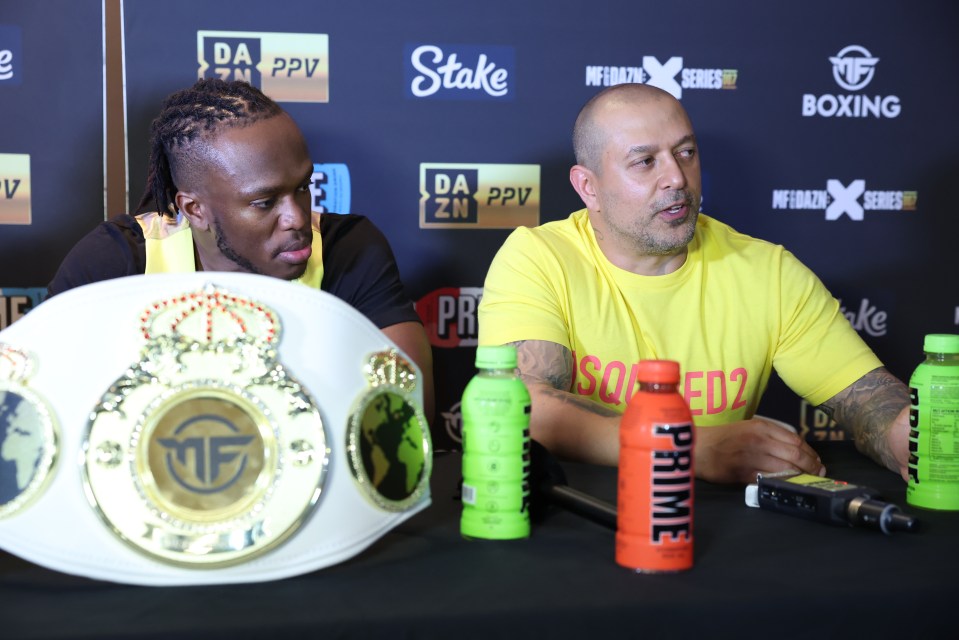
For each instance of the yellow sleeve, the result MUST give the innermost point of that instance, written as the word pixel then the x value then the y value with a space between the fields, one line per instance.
pixel 819 353
pixel 524 296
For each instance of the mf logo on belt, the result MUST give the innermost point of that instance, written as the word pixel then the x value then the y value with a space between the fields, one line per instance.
pixel 205 463
pixel 488 196
pixel 288 67
pixel 206 450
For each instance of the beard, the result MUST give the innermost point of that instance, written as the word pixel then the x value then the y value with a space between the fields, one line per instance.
pixel 653 236
pixel 223 244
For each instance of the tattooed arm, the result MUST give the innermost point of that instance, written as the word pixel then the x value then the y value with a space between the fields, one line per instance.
pixel 568 425
pixel 573 427
pixel 875 410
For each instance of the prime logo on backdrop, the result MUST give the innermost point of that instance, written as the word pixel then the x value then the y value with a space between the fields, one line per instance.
pixel 288 67
pixel 449 316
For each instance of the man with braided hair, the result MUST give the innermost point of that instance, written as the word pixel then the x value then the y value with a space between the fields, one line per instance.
pixel 228 189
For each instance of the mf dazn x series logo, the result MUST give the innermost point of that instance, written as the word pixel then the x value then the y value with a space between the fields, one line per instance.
pixel 288 67
pixel 488 196
pixel 838 199
pixel 669 76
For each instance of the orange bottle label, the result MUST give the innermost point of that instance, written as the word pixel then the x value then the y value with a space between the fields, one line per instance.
pixel 655 491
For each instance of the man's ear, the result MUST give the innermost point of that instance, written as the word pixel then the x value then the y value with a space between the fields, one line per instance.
pixel 189 205
pixel 584 181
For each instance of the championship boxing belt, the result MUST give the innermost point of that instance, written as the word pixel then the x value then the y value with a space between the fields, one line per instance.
pixel 204 428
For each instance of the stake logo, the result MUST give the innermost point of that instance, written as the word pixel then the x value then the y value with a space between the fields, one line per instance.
pixel 11 56
pixel 449 316
pixel 15 188
pixel 330 188
pixel 838 199
pixel 853 68
pixel 460 72
pixel 866 318
pixel 288 67
pixel 487 196
pixel 663 75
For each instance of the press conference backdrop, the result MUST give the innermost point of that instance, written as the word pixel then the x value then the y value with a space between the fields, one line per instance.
pixel 826 127
pixel 51 141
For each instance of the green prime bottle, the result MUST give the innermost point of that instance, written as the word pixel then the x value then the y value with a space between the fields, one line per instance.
pixel 496 450
pixel 934 426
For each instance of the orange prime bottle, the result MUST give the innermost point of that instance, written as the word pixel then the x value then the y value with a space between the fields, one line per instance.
pixel 654 524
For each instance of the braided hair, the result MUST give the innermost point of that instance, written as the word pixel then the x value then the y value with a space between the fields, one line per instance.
pixel 188 115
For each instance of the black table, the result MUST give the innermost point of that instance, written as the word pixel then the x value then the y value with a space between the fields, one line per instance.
pixel 756 574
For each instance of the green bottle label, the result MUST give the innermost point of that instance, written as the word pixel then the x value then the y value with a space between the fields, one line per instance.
pixel 934 437
pixel 496 458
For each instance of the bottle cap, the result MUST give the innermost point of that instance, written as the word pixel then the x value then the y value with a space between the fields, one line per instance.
pixel 499 357
pixel 663 371
pixel 941 343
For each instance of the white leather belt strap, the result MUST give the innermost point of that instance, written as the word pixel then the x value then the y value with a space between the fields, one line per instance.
pixel 204 428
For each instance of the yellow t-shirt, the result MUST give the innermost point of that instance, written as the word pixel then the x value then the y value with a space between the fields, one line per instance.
pixel 738 308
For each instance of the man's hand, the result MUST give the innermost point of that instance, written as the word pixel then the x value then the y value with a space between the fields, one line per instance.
pixel 736 452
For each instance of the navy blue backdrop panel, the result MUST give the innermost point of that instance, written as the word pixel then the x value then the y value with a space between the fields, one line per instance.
pixel 823 126
pixel 51 141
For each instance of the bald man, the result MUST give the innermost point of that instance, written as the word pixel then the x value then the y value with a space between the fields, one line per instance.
pixel 641 273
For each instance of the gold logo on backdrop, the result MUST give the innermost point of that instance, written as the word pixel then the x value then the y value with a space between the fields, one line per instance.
pixel 206 451
pixel 15 188
pixel 479 196
pixel 288 67
pixel 388 439
pixel 28 434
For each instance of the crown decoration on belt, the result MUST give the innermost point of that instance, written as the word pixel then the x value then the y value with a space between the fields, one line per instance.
pixel 28 433
pixel 206 451
pixel 388 439
pixel 390 368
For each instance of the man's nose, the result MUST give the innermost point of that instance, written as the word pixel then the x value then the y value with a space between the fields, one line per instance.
pixel 673 176
pixel 294 215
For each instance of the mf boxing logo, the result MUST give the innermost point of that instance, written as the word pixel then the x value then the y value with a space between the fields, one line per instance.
pixel 866 317
pixel 853 68
pixel 330 188
pixel 486 196
pixel 288 67
pixel 11 59
pixel 15 188
pixel 670 76
pixel 15 302
pixel 851 200
pixel 449 316
pixel 205 454
pixel 453 423
pixel 460 72
pixel 816 425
